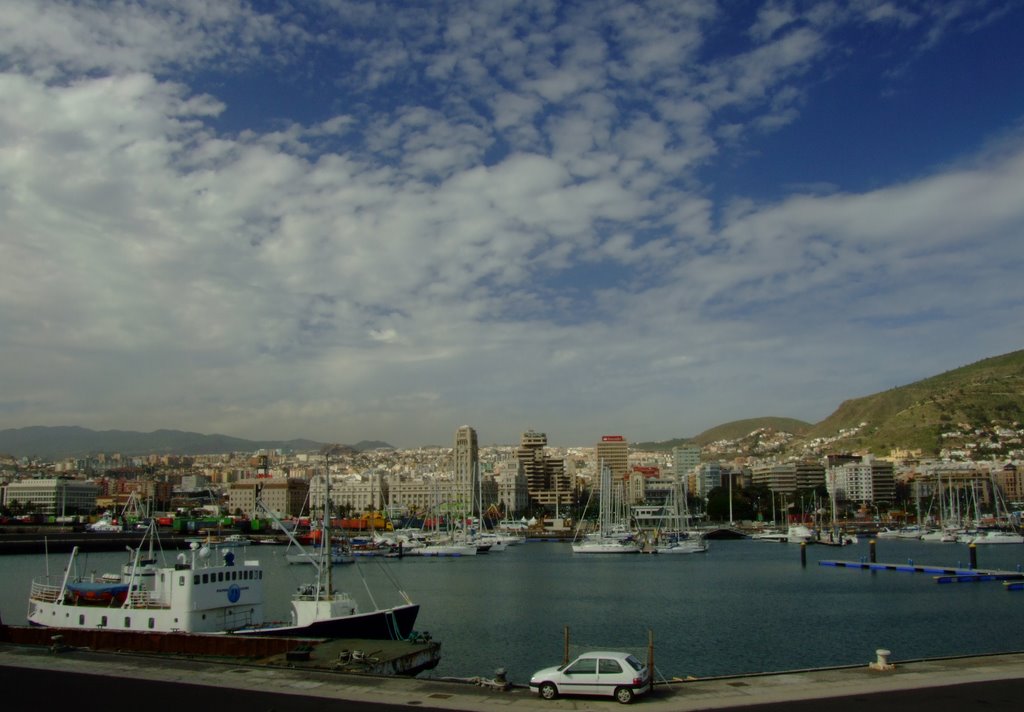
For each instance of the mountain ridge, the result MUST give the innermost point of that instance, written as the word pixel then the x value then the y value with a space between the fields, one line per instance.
pixel 920 415
pixel 53 442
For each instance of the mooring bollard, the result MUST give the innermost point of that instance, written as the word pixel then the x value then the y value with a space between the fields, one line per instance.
pixel 973 549
pixel 871 550
pixel 803 554
pixel 882 660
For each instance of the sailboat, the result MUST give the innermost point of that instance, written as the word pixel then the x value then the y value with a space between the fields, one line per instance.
pixel 611 537
pixel 678 539
pixel 833 534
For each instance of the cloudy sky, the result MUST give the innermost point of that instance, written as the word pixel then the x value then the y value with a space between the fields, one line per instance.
pixel 383 220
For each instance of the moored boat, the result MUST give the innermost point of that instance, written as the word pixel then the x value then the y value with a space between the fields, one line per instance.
pixel 689 545
pixel 198 594
pixel 770 535
pixel 997 536
pixel 599 544
pixel 800 534
pixel 208 594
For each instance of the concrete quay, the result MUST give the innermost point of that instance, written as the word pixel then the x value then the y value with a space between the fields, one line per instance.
pixel 90 680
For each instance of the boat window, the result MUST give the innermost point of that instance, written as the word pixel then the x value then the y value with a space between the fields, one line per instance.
pixel 103 621
pixel 195 580
pixel 152 623
pixel 181 581
pixel 81 620
pixel 127 622
pixel 206 578
pixel 220 575
pixel 608 666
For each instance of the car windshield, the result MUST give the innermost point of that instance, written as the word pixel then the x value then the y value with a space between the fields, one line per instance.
pixel 634 663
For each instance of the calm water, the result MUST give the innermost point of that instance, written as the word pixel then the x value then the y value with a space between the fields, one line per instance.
pixel 743 607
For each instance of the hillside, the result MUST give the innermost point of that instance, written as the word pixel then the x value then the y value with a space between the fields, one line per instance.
pixel 734 430
pixel 979 395
pixel 740 428
pixel 922 415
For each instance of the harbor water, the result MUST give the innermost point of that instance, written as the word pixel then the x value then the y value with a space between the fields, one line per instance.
pixel 743 607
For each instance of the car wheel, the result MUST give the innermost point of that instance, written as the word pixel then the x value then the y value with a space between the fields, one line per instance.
pixel 624 695
pixel 548 691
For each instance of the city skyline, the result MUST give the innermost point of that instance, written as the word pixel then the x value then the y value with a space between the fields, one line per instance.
pixel 588 218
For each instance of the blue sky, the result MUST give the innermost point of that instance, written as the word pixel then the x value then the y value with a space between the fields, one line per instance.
pixel 353 220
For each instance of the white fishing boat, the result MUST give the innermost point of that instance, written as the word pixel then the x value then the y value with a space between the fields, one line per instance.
pixel 202 593
pixel 207 594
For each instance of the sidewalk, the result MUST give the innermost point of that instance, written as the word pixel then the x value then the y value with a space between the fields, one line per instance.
pixel 109 678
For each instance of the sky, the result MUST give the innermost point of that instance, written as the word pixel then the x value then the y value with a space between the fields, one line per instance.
pixel 383 220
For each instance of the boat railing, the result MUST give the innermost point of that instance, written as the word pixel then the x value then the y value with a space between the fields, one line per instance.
pixel 44 592
pixel 145 599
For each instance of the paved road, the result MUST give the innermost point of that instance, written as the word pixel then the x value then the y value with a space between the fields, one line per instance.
pixel 34 679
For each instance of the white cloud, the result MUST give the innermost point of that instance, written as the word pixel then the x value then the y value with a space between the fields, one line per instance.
pixel 497 218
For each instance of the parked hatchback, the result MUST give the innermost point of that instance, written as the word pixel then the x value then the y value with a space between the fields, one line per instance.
pixel 618 675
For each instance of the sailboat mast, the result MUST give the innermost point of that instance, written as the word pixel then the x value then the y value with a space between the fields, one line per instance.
pixel 325 532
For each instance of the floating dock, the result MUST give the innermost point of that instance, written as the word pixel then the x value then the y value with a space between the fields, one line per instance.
pixel 943 574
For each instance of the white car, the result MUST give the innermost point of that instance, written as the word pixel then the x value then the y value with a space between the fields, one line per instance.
pixel 618 675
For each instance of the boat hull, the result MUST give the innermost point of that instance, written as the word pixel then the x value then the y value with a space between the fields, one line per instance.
pixel 396 623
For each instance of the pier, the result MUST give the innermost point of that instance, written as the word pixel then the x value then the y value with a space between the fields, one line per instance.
pixel 374 657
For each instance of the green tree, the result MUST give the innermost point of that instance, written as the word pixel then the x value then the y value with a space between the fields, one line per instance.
pixel 718 504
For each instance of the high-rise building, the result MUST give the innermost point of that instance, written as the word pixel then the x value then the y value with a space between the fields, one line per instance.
pixel 778 477
pixel 866 480
pixel 546 480
pixel 465 469
pixel 613 452
pixel 685 459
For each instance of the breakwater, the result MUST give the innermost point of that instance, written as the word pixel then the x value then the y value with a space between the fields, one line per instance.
pixel 61 541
